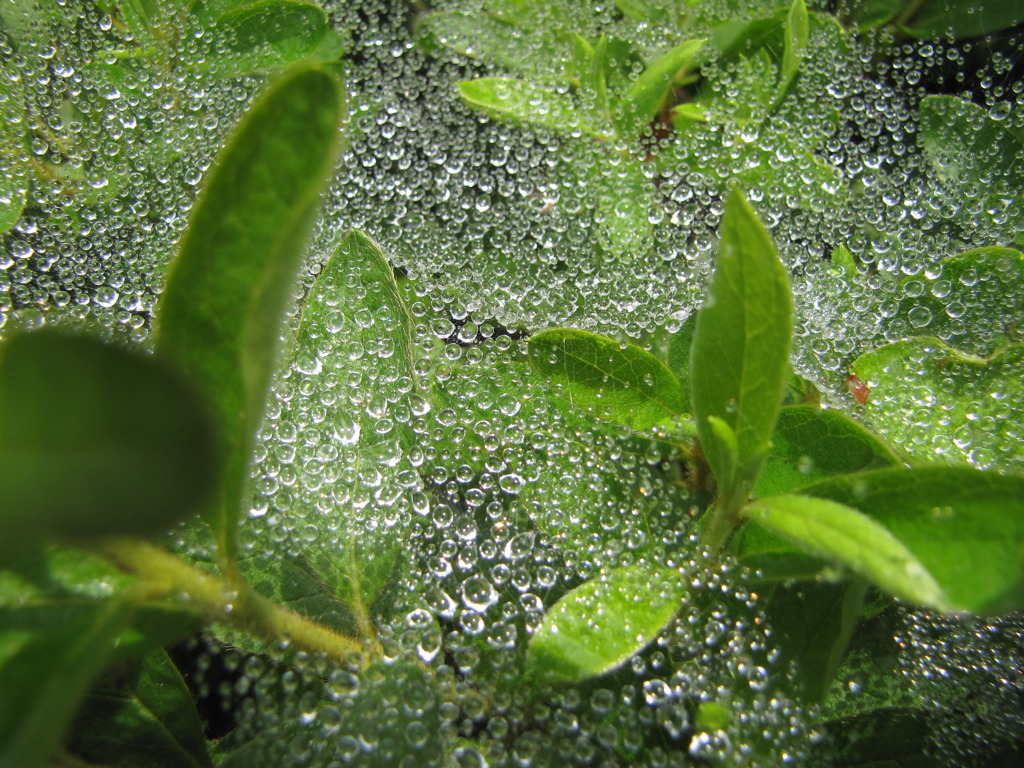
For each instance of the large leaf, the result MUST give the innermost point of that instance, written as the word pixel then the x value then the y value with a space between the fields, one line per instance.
pixel 966 527
pixel 939 403
pixel 810 443
pixel 143 715
pixel 43 683
pixel 96 440
pixel 601 624
pixel 617 382
pixel 221 311
pixel 741 346
pixel 849 538
pixel 263 36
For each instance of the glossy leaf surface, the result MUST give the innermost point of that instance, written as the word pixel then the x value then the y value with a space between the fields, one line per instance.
pixel 644 98
pixel 615 381
pixel 741 344
pixel 130 443
pixel 845 536
pixel 523 102
pixel 227 291
pixel 599 625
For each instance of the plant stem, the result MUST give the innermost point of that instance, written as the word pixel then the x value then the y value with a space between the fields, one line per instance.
pixel 719 528
pixel 165 575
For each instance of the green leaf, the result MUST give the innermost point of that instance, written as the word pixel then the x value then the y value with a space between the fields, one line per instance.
pixel 888 737
pixel 868 14
pixel 977 298
pixel 227 291
pixel 614 381
pixel 43 683
pixel 141 714
pixel 741 344
pixel 964 18
pixel 601 624
pixel 623 204
pixel 812 623
pixel 964 526
pixel 518 101
pixel 264 36
pixel 130 443
pixel 847 537
pixel 810 443
pixel 677 356
pixel 642 102
pixel 796 32
pixel 939 403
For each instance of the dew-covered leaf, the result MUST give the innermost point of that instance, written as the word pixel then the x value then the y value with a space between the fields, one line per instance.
pixel 810 443
pixel 599 625
pixel 940 404
pixel 868 14
pixel 616 382
pixel 44 681
pixel 221 311
pixel 677 354
pixel 795 35
pixel 964 526
pixel 132 444
pixel 964 18
pixel 264 36
pixel 976 298
pixel 140 713
pixel 741 344
pixel 643 100
pixel 623 205
pixel 519 101
pixel 849 538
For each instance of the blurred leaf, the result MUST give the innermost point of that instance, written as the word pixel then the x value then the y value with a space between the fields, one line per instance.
pixel 965 527
pixel 869 14
pixel 43 683
pixel 617 382
pixel 741 344
pixel 642 102
pixel 140 714
pixel 129 441
pixel 795 33
pixel 810 443
pixel 221 311
pixel 964 18
pixel 845 536
pixel 599 625
pixel 941 404
pixel 264 36
pixel 889 737
pixel 680 345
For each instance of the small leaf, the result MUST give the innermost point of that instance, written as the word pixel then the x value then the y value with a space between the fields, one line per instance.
pixel 941 404
pixel 810 443
pixel 601 624
pixel 146 718
pixel 222 308
pixel 96 440
pixel 643 100
pixel 966 527
pixel 519 101
pixel 847 537
pixel 43 683
pixel 741 344
pixel 264 36
pixel 617 382
pixel 795 33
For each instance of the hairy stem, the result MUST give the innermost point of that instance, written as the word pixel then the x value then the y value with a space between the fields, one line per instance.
pixel 715 534
pixel 165 575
